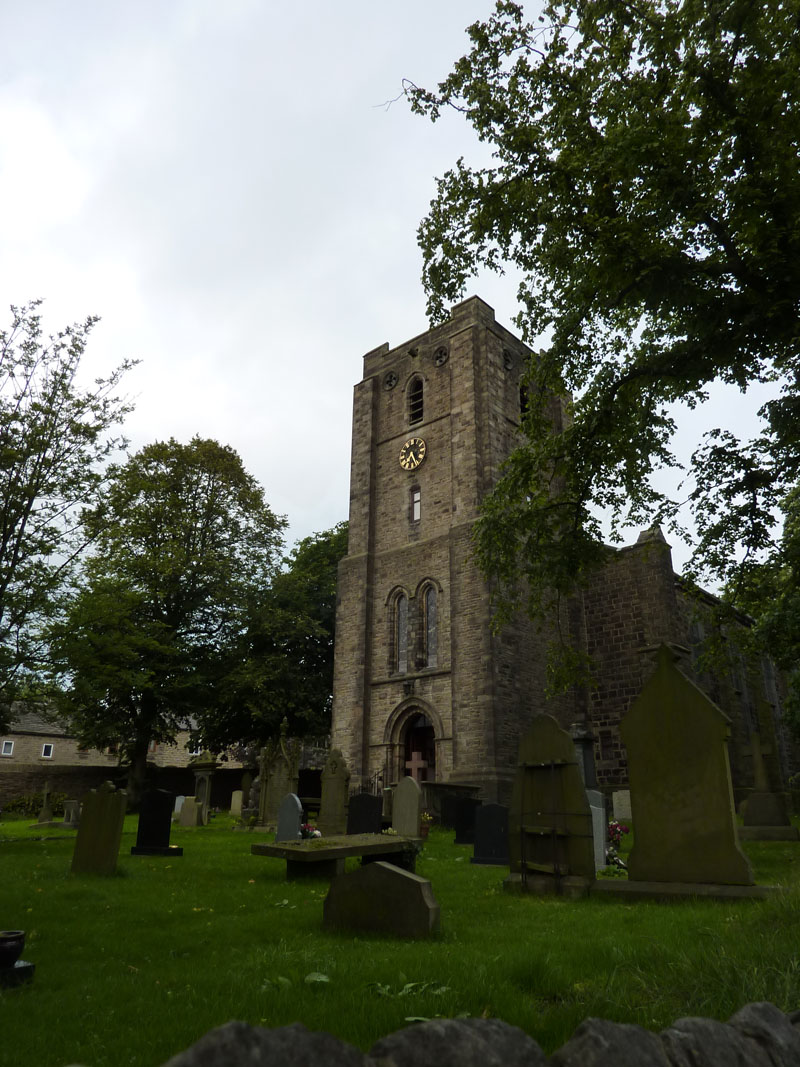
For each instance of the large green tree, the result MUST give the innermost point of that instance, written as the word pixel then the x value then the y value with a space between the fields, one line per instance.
pixel 284 663
pixel 645 182
pixel 183 542
pixel 54 437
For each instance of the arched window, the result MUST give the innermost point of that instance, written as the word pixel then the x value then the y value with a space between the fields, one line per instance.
pixel 401 633
pixel 415 406
pixel 523 401
pixel 431 626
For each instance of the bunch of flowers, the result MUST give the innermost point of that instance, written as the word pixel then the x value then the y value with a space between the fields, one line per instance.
pixel 308 829
pixel 427 818
pixel 615 831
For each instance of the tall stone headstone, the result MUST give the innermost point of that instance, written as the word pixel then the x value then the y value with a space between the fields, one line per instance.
pixel 407 807
pixel 765 813
pixel 155 823
pixel 236 803
pixel 464 810
pixel 203 766
pixel 550 822
pixel 680 780
pixel 382 899
pixel 100 831
pixel 335 795
pixel 191 813
pixel 46 814
pixel 290 818
pixel 597 805
pixel 278 774
pixel 365 814
pixel 491 835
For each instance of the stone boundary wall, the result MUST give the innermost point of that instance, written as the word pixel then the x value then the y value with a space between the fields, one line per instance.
pixel 759 1035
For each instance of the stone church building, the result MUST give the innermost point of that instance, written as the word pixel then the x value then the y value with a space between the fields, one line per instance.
pixel 422 685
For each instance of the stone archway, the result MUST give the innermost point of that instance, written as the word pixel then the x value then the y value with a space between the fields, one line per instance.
pixel 418 747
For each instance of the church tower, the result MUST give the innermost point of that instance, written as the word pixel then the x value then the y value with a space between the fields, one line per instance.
pixel 421 684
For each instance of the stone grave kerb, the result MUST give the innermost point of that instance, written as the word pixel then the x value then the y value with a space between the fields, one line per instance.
pixel 680 781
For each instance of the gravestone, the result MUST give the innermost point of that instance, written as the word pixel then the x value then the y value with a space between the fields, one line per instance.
pixel 680 779
pixel 100 831
pixel 464 809
pixel 365 814
pixel 203 766
pixel 191 813
pixel 407 808
pixel 621 805
pixel 290 818
pixel 178 805
pixel 550 822
pixel 491 835
pixel 72 813
pixel 380 898
pixel 247 781
pixel 278 775
pixel 236 803
pixel 46 814
pixel 597 804
pixel 155 823
pixel 335 795
pixel 764 813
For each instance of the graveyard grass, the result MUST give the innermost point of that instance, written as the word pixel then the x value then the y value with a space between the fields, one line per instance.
pixel 133 968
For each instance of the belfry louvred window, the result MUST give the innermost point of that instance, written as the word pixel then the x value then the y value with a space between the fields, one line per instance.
pixel 415 401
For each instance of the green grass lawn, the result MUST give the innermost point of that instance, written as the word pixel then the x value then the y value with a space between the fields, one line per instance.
pixel 134 968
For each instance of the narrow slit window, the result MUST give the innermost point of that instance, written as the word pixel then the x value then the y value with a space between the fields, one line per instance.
pixel 523 400
pixel 47 751
pixel 415 405
pixel 431 626
pixel 416 505
pixel 401 633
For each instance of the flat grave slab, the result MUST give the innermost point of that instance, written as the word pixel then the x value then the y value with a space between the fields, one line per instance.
pixel 324 857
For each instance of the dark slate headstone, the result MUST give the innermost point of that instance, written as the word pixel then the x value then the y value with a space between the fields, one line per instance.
pixel 365 814
pixel 464 819
pixel 155 823
pixel 382 899
pixel 491 835
pixel 290 818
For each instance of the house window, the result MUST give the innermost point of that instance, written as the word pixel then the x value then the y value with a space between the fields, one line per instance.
pixel 431 624
pixel 47 751
pixel 8 748
pixel 401 633
pixel 416 505
pixel 152 747
pixel 415 406
pixel 112 749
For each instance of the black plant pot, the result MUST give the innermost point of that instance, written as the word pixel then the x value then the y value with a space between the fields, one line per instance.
pixel 12 942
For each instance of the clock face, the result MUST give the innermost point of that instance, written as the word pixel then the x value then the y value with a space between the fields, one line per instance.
pixel 412 453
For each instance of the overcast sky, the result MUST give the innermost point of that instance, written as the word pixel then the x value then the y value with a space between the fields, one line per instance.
pixel 222 183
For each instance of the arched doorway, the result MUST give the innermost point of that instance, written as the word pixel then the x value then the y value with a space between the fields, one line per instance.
pixel 419 748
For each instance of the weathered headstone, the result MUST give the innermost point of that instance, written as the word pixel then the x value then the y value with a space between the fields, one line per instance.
pixel 278 775
pixel 191 813
pixel 290 818
pixel 597 804
pixel 236 803
pixel 491 835
pixel 382 899
pixel 72 813
pixel 550 822
pixel 365 814
pixel 203 766
pixel 155 823
pixel 621 805
pixel 335 795
pixel 680 779
pixel 100 831
pixel 765 813
pixel 178 805
pixel 46 814
pixel 247 781
pixel 464 819
pixel 407 808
